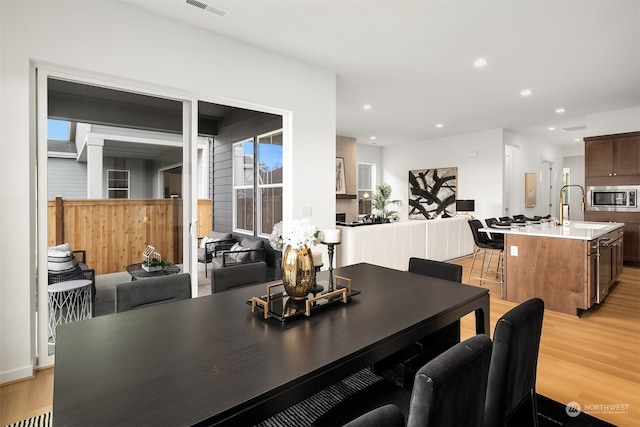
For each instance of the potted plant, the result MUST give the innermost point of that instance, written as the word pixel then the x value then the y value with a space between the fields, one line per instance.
pixel 380 202
pixel 151 260
pixel 153 264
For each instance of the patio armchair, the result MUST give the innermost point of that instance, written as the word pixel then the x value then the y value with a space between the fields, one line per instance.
pixel 152 291
pixel 247 251
pixel 209 244
pixel 243 264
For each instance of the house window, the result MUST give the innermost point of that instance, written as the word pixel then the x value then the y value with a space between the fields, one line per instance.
pixel 269 180
pixel 365 181
pixel 118 184
pixel 257 183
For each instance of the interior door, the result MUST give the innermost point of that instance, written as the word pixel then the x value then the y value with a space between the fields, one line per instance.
pixel 508 179
pixel 545 177
pixel 113 233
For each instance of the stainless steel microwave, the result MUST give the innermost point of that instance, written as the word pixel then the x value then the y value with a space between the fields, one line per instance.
pixel 622 198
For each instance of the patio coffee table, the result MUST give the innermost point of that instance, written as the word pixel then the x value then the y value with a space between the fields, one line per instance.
pixel 137 272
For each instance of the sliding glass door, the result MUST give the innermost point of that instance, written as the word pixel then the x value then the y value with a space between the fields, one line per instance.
pixel 115 176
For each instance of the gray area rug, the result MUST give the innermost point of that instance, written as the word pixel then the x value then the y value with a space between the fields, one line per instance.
pixel 43 420
pixel 301 414
pixel 307 411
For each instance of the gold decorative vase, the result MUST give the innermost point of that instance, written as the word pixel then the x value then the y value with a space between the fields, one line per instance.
pixel 298 272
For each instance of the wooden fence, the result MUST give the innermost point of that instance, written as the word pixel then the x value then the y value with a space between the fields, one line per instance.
pixel 114 232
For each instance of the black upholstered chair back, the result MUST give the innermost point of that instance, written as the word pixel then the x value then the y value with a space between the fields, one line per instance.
pixel 438 269
pixel 450 389
pixel 512 375
pixel 498 237
pixel 385 416
pixel 479 237
pixel 152 291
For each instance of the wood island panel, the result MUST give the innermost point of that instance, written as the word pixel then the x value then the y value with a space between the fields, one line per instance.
pixel 554 269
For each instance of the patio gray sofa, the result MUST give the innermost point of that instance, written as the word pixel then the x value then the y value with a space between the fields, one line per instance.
pixel 257 263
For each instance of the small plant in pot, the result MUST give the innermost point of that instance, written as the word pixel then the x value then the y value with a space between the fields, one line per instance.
pixel 154 264
pixel 381 202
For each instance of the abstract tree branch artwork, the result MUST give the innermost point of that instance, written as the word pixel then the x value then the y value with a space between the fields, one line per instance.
pixel 432 193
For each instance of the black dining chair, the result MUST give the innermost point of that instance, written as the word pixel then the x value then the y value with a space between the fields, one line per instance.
pixel 450 390
pixel 514 361
pixel 434 344
pixel 412 358
pixel 496 237
pixel 438 269
pixel 153 291
pixel 484 244
pixel 385 416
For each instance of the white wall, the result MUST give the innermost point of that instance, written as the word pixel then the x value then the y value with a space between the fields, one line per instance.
pixel 529 153
pixel 479 177
pixel 479 158
pixel 612 122
pixel 120 43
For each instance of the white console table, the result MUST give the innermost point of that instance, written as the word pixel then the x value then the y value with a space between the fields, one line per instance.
pixel 391 245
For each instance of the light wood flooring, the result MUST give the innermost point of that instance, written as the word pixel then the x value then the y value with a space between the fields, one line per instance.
pixel 593 360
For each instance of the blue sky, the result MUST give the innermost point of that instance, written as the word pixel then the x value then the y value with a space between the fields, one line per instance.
pixel 58 129
pixel 268 154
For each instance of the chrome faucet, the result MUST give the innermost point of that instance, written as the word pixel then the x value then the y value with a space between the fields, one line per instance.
pixel 562 205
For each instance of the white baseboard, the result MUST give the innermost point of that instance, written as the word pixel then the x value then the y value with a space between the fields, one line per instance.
pixel 16 374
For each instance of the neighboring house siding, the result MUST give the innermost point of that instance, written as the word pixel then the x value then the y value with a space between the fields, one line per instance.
pixel 66 178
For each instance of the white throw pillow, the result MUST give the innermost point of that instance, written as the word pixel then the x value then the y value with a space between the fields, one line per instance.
pixel 204 241
pixel 240 253
pixel 60 259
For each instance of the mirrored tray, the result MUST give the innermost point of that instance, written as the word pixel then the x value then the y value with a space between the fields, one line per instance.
pixel 279 306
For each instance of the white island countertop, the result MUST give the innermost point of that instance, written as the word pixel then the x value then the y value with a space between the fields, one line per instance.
pixel 580 230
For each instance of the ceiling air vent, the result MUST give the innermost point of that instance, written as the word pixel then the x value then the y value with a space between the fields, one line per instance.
pixel 207 7
pixel 575 128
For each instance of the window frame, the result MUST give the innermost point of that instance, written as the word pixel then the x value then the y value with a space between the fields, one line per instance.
pixel 110 189
pixel 362 201
pixel 256 185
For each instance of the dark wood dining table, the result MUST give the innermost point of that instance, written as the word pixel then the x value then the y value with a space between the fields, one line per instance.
pixel 211 361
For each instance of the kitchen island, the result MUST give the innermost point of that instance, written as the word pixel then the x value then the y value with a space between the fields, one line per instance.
pixel 570 268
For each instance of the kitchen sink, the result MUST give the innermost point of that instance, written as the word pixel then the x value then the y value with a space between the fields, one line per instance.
pixel 590 226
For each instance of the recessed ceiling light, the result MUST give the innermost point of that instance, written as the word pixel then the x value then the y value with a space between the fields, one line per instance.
pixel 373 138
pixel 439 125
pixel 480 62
pixel 367 106
pixel 551 128
pixel 560 110
pixel 526 92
